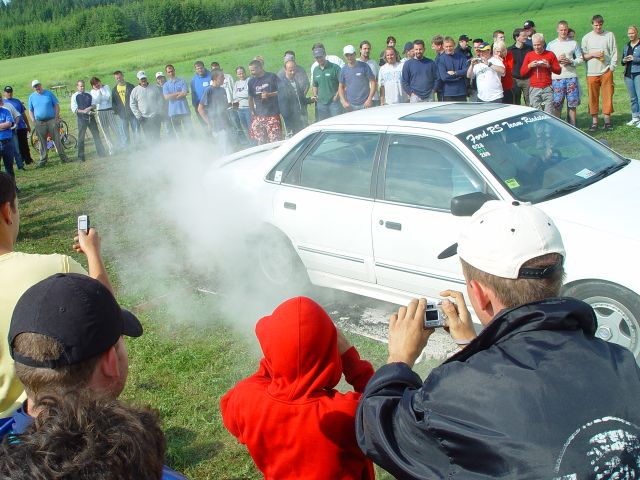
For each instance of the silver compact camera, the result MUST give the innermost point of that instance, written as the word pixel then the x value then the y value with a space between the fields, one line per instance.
pixel 434 317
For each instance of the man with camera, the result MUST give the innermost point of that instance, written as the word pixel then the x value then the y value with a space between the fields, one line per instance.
pixel 534 395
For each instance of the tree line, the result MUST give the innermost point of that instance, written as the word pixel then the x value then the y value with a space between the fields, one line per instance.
pixel 29 27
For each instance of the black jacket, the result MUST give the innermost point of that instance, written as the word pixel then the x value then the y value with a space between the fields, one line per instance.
pixel 123 111
pixel 535 395
pixel 518 58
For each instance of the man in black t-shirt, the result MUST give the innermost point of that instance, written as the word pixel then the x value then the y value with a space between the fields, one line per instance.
pixel 263 103
pixel 213 110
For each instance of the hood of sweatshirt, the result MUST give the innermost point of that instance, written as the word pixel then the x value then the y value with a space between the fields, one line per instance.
pixel 299 343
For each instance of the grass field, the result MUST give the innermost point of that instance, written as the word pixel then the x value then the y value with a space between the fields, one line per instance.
pixel 197 346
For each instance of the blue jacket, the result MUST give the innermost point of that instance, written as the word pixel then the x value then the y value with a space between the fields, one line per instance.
pixel 453 85
pixel 634 65
pixel 419 77
pixel 198 85
pixel 5 116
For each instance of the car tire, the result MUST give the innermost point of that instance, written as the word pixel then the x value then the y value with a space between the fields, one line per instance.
pixel 617 309
pixel 278 264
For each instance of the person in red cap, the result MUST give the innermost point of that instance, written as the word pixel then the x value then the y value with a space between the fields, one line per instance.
pixel 288 414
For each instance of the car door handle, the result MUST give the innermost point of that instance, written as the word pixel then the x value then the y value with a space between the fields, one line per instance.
pixel 393 225
pixel 289 205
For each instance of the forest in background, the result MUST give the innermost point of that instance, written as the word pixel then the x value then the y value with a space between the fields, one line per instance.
pixel 29 27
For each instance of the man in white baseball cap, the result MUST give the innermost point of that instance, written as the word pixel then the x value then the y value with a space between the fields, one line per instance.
pixel 534 395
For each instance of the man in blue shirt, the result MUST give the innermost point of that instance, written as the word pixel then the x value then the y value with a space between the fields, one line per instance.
pixel 44 111
pixel 23 153
pixel 6 139
pixel 357 83
pixel 452 70
pixel 419 75
pixel 175 91
pixel 199 82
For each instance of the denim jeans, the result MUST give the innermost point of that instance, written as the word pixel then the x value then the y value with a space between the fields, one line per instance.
pixel 633 85
pixel 328 110
pixel 16 151
pixel 6 153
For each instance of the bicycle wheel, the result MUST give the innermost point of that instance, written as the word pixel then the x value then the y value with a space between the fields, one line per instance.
pixel 63 128
pixel 68 141
pixel 35 141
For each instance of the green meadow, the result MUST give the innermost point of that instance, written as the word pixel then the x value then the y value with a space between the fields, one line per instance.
pixel 182 367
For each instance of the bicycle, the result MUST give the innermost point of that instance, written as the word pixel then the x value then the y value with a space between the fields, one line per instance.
pixel 67 140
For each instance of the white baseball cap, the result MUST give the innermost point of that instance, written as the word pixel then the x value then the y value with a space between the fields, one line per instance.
pixel 141 75
pixel 502 236
pixel 348 49
pixel 35 82
pixel 159 74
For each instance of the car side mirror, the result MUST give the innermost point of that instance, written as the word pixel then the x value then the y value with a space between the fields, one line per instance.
pixel 469 203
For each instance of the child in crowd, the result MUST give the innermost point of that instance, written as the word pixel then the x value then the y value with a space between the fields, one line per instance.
pixel 288 414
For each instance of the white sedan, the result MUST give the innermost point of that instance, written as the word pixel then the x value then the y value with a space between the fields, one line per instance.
pixel 364 202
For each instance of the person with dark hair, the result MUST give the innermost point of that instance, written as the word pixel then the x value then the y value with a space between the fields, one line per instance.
pixel 365 57
pixel 535 395
pixel 121 103
pixel 600 52
pixel 81 437
pixel 7 122
pixel 200 81
pixel 263 102
pixel 631 63
pixel 22 130
pixel 419 75
pixel 44 111
pixel 519 50
pixel 175 91
pixel 294 422
pixel 391 42
pixel 213 112
pixel 108 121
pixel 240 101
pixel 463 46
pixel 67 336
pixel 81 105
pixel 19 271
pixel 529 28
pixel 292 100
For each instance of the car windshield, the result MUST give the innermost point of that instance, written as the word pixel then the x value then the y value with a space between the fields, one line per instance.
pixel 538 157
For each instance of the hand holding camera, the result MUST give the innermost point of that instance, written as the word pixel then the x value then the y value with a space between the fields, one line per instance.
pixel 407 335
pixel 459 322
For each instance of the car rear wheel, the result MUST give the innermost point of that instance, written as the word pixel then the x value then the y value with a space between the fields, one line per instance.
pixel 617 309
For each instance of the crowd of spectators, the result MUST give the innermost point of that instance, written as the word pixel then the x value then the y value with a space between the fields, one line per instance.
pixel 534 395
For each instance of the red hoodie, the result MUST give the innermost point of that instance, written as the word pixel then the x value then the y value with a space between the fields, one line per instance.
pixel 288 414
pixel 540 76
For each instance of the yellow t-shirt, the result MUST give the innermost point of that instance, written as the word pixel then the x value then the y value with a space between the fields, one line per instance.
pixel 18 272
pixel 122 91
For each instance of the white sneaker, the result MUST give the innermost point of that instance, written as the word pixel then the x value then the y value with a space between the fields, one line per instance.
pixel 638 125
pixel 633 121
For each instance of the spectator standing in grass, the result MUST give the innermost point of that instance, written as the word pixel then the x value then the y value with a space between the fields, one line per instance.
pixel 213 111
pixel 228 84
pixel 390 79
pixel 67 339
pixel 529 28
pixel 565 84
pixel 419 75
pixel 6 139
pixel 302 80
pixel 357 82
pixel 325 81
pixel 463 47
pixel 23 128
pixel 500 51
pixel 120 100
pixel 518 51
pixel 539 65
pixel 263 102
pixel 14 136
pixel 44 112
pixel 161 79
pixel 292 100
pixel 81 105
pixel 452 70
pixel 631 62
pixel 487 71
pixel 391 42
pixel 241 99
pixel 600 53
pixel 108 121
pixel 199 82
pixel 535 395
pixel 175 92
pixel 407 52
pixel 365 57
pixel 147 105
pixel 437 45
pixel 331 58
pixel 293 421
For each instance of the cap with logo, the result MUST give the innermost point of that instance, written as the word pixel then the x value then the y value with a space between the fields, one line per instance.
pixel 502 236
pixel 159 74
pixel 349 50
pixel 529 24
pixel 34 83
pixel 141 75
pixel 319 52
pixel 77 311
pixel 483 47
pixel 464 37
pixel 8 89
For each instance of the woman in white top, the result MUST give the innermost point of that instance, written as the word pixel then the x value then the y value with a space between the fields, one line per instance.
pixel 487 71
pixel 108 121
pixel 241 98
pixel 389 79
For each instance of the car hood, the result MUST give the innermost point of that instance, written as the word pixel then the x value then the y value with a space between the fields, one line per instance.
pixel 608 205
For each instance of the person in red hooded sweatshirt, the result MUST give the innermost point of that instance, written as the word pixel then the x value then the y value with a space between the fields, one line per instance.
pixel 288 414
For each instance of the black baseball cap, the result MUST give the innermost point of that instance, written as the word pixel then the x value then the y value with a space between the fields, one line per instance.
pixel 8 88
pixel 528 24
pixel 464 37
pixel 77 311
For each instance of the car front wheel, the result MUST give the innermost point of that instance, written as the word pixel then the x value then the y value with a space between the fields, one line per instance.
pixel 617 310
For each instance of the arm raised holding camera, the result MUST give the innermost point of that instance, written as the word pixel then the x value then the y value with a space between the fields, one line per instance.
pixel 89 244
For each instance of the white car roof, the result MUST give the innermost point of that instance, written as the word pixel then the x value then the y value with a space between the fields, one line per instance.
pixel 450 117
